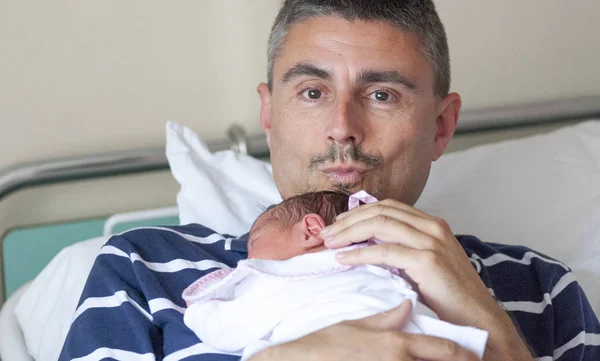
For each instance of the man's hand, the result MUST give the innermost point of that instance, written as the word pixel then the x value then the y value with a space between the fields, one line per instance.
pixel 426 249
pixel 374 338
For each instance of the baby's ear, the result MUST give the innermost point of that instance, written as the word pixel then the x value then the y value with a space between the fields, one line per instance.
pixel 313 224
pixel 306 231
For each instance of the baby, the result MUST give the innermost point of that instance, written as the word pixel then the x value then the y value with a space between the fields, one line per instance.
pixel 292 285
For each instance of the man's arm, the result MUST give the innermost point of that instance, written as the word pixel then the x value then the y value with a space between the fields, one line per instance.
pixel 113 319
pixel 372 338
pixel 576 327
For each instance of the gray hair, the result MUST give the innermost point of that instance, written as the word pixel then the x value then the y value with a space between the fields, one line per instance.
pixel 417 17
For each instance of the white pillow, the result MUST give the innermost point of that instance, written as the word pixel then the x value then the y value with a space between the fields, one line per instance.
pixel 46 309
pixel 224 191
pixel 542 192
pixel 12 341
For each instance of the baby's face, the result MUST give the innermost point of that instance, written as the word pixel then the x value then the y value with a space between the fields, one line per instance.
pixel 271 239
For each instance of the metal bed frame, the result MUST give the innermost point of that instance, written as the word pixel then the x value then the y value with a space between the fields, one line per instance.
pixel 150 159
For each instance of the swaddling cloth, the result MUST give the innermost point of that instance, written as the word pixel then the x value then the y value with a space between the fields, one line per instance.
pixel 262 303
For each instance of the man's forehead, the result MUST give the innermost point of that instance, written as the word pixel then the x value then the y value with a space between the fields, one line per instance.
pixel 364 77
pixel 357 48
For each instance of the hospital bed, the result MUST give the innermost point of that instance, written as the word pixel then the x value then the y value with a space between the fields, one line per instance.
pixel 40 243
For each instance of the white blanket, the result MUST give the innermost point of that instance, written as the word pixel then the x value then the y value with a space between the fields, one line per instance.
pixel 262 303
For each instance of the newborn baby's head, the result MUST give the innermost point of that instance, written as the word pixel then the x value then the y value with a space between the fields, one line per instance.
pixel 292 227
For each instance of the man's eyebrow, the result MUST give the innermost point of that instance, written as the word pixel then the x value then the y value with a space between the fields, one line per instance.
pixel 303 69
pixel 389 76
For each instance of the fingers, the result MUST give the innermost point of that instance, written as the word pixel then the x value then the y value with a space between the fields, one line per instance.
pixel 417 347
pixel 389 203
pixel 386 229
pixel 389 221
pixel 404 214
pixel 422 347
pixel 393 319
pixel 395 255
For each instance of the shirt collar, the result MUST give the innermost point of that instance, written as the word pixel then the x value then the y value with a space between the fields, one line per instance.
pixel 240 244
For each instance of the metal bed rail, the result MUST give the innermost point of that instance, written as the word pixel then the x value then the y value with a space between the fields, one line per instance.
pixel 517 116
pixel 115 163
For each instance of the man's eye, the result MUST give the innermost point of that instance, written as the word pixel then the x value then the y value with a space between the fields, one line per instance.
pixel 382 96
pixel 313 94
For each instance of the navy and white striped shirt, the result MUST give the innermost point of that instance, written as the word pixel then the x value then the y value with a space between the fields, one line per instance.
pixel 131 307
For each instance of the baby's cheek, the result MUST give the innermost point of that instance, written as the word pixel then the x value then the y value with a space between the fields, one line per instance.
pixel 271 251
pixel 256 250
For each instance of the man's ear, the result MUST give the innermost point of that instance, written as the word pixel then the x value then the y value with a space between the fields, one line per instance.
pixel 446 121
pixel 265 110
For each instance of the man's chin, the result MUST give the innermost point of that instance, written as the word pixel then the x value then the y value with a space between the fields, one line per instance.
pixel 347 188
pixel 351 188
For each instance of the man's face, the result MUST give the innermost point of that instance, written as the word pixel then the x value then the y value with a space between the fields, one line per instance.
pixel 352 107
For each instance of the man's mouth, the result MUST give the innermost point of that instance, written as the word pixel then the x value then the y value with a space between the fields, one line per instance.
pixel 345 174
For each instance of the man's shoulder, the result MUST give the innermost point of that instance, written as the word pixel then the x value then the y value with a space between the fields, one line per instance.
pixel 157 263
pixel 541 294
pixel 488 254
pixel 188 230
pixel 192 242
pixel 139 276
pixel 513 271
pixel 473 244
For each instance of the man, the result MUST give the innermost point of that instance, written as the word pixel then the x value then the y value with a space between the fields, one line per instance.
pixel 357 98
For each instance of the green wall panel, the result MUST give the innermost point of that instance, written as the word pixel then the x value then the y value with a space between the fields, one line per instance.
pixel 26 251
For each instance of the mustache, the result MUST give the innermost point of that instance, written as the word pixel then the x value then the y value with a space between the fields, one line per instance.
pixel 347 153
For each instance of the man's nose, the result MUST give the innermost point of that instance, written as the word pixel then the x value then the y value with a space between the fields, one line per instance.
pixel 345 125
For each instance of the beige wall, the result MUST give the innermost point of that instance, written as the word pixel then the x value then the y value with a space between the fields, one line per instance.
pixel 93 76
pixel 514 51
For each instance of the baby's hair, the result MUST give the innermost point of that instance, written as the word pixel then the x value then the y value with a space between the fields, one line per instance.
pixel 327 204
